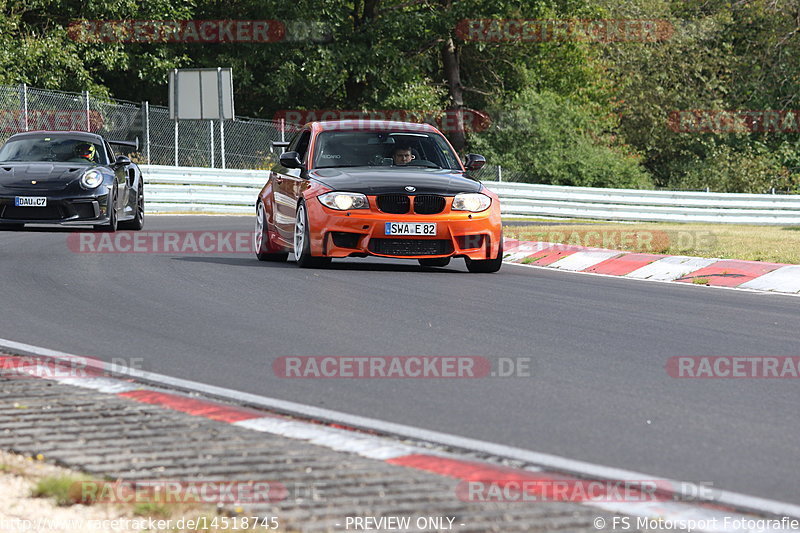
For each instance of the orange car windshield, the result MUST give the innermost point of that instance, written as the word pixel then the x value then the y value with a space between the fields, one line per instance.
pixel 377 148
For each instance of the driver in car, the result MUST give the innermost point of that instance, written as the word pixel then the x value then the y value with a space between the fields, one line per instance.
pixel 84 152
pixel 402 155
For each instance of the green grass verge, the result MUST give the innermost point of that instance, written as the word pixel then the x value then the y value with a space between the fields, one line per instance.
pixel 66 489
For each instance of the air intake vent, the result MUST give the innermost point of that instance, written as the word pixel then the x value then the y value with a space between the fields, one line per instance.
pixel 411 246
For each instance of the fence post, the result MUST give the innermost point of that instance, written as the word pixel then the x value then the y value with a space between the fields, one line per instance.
pixel 221 117
pixel 88 119
pixel 499 173
pixel 283 130
pixel 24 98
pixel 146 111
pixel 222 142
pixel 211 136
pixel 176 141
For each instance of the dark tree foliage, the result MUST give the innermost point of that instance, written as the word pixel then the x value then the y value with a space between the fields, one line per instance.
pixel 562 111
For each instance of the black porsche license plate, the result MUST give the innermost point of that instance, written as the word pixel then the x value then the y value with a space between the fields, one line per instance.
pixel 30 201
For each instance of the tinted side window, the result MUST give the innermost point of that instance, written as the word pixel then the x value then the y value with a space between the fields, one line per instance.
pixel 110 152
pixel 293 143
pixel 302 145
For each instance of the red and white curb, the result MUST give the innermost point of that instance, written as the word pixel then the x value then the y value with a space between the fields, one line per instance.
pixel 753 275
pixel 373 439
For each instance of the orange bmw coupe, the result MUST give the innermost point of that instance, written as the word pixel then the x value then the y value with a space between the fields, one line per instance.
pixel 359 188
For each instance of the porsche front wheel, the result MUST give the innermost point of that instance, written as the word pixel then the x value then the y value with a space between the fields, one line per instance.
pixel 302 242
pixel 111 225
pixel 137 223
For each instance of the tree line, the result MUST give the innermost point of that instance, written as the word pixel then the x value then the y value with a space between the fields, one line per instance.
pixel 645 93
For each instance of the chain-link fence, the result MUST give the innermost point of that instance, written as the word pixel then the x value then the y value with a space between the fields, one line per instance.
pixel 162 141
pixel 498 173
pixel 240 143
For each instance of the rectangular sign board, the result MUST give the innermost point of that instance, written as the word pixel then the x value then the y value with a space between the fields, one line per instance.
pixel 201 94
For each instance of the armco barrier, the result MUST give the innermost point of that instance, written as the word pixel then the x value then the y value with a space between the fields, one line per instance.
pixel 193 189
pixel 201 190
pixel 642 205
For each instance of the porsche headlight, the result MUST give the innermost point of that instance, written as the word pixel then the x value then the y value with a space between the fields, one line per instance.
pixel 473 201
pixel 91 179
pixel 344 201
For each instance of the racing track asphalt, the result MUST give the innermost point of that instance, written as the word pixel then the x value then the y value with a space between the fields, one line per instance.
pixel 599 390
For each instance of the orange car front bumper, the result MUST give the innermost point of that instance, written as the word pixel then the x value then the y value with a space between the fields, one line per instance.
pixel 362 232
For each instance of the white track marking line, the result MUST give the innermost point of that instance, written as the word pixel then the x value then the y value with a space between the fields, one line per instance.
pixel 109 385
pixel 371 446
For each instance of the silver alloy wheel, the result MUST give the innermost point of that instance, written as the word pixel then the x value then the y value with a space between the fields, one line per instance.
pixel 258 236
pixel 299 232
pixel 140 205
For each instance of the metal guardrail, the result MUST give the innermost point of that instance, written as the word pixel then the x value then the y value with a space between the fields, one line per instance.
pixel 643 205
pixel 193 189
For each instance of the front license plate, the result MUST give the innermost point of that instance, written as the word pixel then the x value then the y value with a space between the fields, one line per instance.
pixel 30 201
pixel 410 228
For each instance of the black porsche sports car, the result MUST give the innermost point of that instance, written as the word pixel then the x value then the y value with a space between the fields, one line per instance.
pixel 70 178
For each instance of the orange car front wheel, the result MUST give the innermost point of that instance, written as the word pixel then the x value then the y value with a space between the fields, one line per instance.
pixel 486 266
pixel 261 238
pixel 302 242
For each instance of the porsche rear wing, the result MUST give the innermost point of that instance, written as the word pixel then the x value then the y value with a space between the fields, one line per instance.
pixel 282 145
pixel 128 144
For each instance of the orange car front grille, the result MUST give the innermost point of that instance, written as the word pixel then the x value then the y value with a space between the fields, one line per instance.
pixel 397 204
pixel 400 204
pixel 428 204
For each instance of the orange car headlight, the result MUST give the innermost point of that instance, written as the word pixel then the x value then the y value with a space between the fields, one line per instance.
pixel 344 201
pixel 473 201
